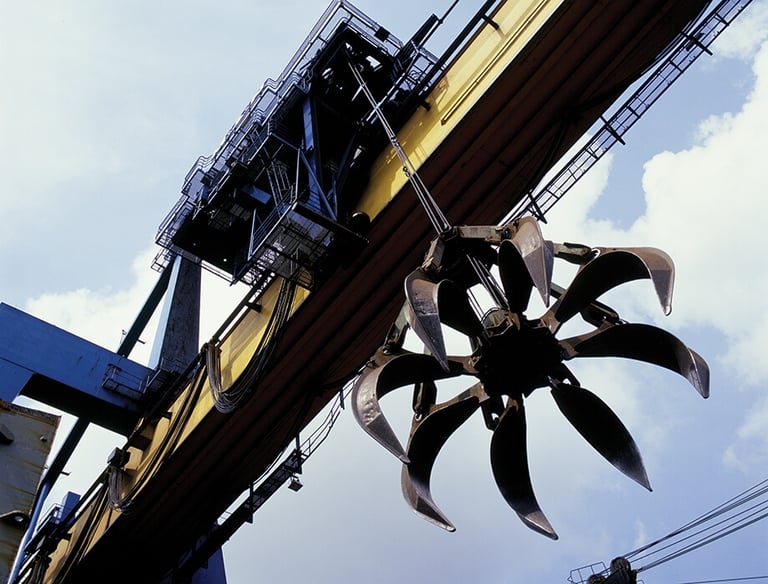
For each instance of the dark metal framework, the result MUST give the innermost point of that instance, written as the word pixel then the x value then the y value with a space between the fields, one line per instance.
pixel 280 189
pixel 278 196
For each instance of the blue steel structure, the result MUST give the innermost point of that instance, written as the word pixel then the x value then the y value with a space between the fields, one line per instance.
pixel 99 386
pixel 55 367
pixel 273 200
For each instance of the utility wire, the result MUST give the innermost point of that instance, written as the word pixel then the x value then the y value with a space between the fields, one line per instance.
pixel 745 579
pixel 747 508
pixel 761 507
pixel 702 542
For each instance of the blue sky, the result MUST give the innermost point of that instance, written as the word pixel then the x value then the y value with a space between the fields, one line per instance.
pixel 103 109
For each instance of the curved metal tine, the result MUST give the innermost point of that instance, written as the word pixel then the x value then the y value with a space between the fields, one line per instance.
pixel 537 254
pixel 509 462
pixel 599 426
pixel 660 267
pixel 424 314
pixel 612 267
pixel 430 304
pixel 642 342
pixel 428 436
pixel 388 372
pixel 515 278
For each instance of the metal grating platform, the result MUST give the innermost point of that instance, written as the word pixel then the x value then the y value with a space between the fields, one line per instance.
pixel 242 209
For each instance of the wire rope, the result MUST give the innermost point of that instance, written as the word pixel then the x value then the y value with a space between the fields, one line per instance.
pixel 434 214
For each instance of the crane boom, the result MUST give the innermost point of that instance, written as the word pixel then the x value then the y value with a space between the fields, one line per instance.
pixel 305 202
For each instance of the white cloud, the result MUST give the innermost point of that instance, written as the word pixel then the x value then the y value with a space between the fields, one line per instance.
pixel 641 538
pixel 100 316
pixel 747 33
pixel 706 207
pixel 750 449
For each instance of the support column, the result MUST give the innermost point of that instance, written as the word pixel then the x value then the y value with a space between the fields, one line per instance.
pixel 177 341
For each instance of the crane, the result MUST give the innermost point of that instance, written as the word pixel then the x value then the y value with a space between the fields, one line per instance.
pixel 304 202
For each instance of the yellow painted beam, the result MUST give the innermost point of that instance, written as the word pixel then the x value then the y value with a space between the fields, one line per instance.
pixel 465 81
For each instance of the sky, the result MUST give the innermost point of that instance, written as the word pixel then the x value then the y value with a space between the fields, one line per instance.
pixel 105 106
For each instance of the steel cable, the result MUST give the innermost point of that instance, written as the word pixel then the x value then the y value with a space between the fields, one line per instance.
pixel 229 399
pixel 435 215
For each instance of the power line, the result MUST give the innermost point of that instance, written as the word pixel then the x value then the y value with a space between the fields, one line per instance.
pixel 746 508
pixel 745 579
pixel 743 510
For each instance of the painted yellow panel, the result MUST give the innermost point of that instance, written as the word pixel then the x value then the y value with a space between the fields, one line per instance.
pixel 467 78
pixel 238 347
